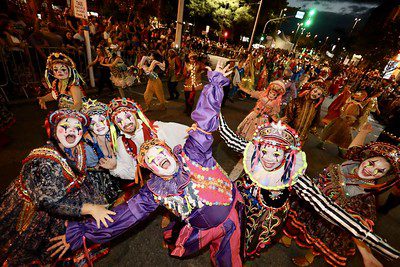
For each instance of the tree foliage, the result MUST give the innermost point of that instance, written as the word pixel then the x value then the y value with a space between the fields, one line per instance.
pixel 224 13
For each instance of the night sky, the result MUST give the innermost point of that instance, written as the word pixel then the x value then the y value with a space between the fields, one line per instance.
pixel 333 16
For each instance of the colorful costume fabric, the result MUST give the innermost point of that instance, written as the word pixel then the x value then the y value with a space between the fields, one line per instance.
pixel 339 131
pixel 266 110
pixel 127 145
pixel 341 184
pixel 304 189
pixel 200 193
pixel 336 105
pixel 48 191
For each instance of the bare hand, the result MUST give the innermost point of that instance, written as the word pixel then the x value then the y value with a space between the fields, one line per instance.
pixel 367 128
pixel 61 246
pixel 100 213
pixel 108 163
pixel 42 102
pixel 220 68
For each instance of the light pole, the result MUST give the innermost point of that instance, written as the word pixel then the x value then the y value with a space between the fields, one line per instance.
pixel 255 25
pixel 356 20
pixel 179 22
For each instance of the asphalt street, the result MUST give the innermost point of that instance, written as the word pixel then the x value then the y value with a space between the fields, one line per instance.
pixel 143 245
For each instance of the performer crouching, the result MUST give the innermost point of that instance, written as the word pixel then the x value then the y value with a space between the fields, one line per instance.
pixel 187 181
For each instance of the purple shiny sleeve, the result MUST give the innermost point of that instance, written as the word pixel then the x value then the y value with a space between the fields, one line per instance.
pixel 206 115
pixel 127 215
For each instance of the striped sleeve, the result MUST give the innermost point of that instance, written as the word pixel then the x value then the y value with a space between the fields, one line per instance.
pixel 305 189
pixel 231 139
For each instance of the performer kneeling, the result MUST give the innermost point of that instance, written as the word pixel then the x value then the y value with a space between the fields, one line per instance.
pixel 188 182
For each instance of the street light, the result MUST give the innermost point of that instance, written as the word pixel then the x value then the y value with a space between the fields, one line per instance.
pixel 356 20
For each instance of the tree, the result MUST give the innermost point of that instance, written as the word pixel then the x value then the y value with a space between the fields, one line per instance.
pixel 224 13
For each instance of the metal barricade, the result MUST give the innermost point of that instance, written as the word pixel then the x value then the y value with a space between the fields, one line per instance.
pixel 24 69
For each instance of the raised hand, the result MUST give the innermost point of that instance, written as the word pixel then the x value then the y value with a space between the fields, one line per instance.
pixel 221 68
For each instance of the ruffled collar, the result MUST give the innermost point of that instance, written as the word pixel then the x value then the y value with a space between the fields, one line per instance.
pixel 173 187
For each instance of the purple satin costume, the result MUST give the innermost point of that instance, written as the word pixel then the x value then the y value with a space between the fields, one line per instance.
pixel 216 226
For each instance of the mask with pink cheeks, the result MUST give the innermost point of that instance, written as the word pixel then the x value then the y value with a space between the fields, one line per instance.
pixel 69 132
pixel 98 125
pixel 60 71
pixel 126 121
pixel 271 157
pixel 160 161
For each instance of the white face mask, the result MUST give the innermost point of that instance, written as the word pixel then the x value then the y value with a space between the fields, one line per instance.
pixel 69 132
pixel 126 121
pixel 60 71
pixel 99 125
pixel 160 161
pixel 271 157
pixel 373 168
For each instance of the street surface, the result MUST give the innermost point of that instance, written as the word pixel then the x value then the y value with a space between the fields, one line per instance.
pixel 143 245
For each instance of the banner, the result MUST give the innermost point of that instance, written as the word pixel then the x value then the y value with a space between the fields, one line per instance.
pixel 80 9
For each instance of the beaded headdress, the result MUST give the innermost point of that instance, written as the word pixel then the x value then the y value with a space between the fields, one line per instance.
pixel 117 105
pixel 278 135
pixel 378 149
pixel 55 117
pixel 60 58
pixel 94 107
pixel 147 145
pixel 278 86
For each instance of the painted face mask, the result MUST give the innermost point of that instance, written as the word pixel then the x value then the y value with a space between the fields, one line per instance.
pixel 271 157
pixel 315 93
pixel 273 94
pixel 373 168
pixel 126 121
pixel 69 132
pixel 60 71
pixel 99 125
pixel 160 161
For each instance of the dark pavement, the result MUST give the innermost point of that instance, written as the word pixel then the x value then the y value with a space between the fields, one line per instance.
pixel 142 246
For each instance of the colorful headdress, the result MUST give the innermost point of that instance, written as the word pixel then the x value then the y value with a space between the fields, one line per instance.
pixel 146 146
pixel 94 107
pixel 320 84
pixel 117 105
pixel 378 149
pixel 280 136
pixel 55 117
pixel 278 85
pixel 60 58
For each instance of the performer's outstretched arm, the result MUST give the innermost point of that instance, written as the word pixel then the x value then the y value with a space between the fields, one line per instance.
pixel 206 117
pixel 231 139
pixel 127 215
pixel 306 190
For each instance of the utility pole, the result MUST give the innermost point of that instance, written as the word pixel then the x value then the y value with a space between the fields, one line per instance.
pixel 179 23
pixel 255 25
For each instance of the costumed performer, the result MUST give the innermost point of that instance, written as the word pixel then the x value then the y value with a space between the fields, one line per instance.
pixel 274 165
pixel 267 108
pixel 335 107
pixel 369 170
pixel 188 182
pixel 134 129
pixel 52 187
pixel 65 83
pixel 192 73
pixel 303 113
pixel 153 65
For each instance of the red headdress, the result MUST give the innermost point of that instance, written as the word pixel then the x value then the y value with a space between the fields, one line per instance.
pixel 55 117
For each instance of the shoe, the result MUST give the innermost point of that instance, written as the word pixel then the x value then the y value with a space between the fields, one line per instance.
pixel 301 261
